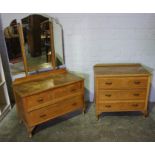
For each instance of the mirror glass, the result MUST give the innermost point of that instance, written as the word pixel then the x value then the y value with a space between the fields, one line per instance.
pixel 58 44
pixel 14 50
pixel 37 39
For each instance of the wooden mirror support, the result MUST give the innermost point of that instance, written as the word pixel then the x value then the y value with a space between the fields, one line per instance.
pixel 47 95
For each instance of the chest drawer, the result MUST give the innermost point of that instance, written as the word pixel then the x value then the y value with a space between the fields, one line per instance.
pixel 121 94
pixel 67 90
pixel 121 106
pixel 55 110
pixel 122 82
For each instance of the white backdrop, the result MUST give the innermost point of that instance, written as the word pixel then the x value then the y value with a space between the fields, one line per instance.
pixel 104 38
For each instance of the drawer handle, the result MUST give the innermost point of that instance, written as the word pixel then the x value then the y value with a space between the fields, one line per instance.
pixel 136 94
pixel 44 115
pixel 74 104
pixel 135 105
pixel 108 83
pixel 108 106
pixel 137 82
pixel 108 95
pixel 40 100
pixel 73 89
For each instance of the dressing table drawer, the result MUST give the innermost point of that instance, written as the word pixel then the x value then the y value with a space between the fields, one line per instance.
pixel 67 90
pixel 38 99
pixel 122 82
pixel 54 110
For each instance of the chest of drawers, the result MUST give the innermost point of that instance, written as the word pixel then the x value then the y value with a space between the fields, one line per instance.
pixel 40 100
pixel 121 87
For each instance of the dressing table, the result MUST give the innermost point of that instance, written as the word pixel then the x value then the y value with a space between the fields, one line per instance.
pixel 48 90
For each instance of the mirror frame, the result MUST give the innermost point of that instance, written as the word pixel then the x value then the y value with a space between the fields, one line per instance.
pixel 22 44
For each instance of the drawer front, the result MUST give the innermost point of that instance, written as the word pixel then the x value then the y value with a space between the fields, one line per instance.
pixel 122 83
pixel 36 100
pixel 121 95
pixel 67 90
pixel 126 106
pixel 55 110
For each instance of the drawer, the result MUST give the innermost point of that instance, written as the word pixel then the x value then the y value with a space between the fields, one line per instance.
pixel 67 90
pixel 121 94
pixel 55 110
pixel 36 100
pixel 122 82
pixel 121 106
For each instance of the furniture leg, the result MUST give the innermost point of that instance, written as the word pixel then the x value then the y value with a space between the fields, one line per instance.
pixel 145 112
pixel 97 117
pixel 29 130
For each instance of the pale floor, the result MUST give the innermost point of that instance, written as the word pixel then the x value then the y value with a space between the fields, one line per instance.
pixel 78 127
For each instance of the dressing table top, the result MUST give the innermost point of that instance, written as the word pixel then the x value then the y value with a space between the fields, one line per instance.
pixel 42 84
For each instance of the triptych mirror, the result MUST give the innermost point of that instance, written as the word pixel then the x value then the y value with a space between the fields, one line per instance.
pixel 34 45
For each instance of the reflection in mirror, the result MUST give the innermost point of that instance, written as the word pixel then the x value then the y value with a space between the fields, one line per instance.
pixel 58 44
pixel 14 50
pixel 37 43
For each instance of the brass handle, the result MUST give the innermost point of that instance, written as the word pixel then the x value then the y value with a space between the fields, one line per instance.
pixel 74 104
pixel 135 105
pixel 108 106
pixel 40 100
pixel 108 83
pixel 108 95
pixel 136 94
pixel 137 82
pixel 73 89
pixel 44 115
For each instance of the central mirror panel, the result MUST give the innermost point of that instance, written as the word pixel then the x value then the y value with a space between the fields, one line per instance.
pixel 37 39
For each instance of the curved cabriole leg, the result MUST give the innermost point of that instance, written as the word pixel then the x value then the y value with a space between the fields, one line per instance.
pixel 30 129
pixel 145 113
pixel 97 117
pixel 84 111
pixel 20 121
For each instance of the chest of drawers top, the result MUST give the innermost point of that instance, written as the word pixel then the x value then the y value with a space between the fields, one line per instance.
pixel 108 70
pixel 42 84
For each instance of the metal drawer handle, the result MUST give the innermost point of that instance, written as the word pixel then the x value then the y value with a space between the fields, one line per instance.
pixel 137 82
pixel 108 95
pixel 44 115
pixel 108 106
pixel 73 89
pixel 136 94
pixel 108 83
pixel 74 104
pixel 135 105
pixel 40 100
